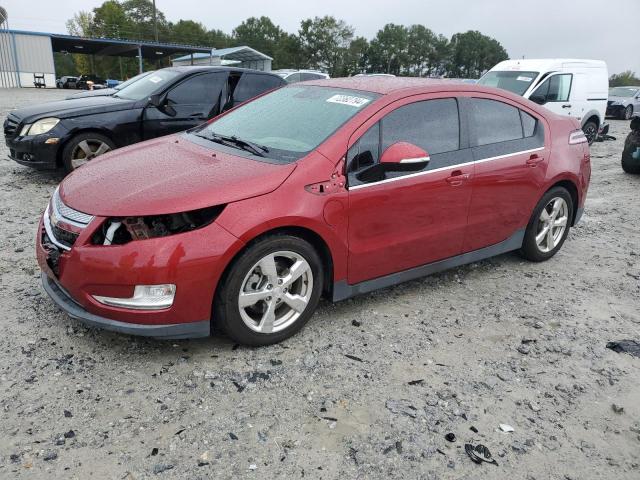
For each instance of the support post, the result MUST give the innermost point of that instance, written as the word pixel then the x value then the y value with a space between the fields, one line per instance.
pixel 140 58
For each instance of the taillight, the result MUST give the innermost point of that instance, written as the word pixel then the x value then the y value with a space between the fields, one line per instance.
pixel 576 137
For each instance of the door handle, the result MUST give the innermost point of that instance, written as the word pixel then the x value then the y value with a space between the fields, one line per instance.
pixel 534 160
pixel 457 178
pixel 566 105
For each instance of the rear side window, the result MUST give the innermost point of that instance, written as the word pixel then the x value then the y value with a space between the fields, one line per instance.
pixel 494 121
pixel 199 89
pixel 294 77
pixel 528 124
pixel 311 76
pixel 433 125
pixel 251 85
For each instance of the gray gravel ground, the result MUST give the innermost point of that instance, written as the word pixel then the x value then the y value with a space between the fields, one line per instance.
pixel 368 389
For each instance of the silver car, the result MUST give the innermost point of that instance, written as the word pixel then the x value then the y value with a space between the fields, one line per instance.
pixel 623 102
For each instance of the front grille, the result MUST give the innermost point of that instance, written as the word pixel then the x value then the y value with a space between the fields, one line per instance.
pixel 11 126
pixel 68 214
pixel 63 236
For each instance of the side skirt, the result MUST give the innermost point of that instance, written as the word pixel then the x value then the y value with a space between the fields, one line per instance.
pixel 342 290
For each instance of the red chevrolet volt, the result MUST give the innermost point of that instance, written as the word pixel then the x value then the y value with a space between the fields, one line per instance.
pixel 334 187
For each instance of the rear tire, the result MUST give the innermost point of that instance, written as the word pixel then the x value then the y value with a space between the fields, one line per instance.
pixel 83 148
pixel 590 130
pixel 540 245
pixel 270 291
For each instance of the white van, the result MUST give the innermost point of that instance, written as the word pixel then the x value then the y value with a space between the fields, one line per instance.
pixel 578 88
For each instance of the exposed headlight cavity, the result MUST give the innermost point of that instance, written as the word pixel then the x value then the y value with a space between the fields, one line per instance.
pixel 41 126
pixel 121 230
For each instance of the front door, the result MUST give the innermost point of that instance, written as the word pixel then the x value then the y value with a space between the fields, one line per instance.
pixel 555 94
pixel 399 220
pixel 186 105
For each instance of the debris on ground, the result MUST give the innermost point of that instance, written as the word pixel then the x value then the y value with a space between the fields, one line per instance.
pixel 450 437
pixel 506 428
pixel 625 346
pixel 617 408
pixel 403 407
pixel 479 454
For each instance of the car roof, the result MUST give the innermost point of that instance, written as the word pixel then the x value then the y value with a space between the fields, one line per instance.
pixel 206 68
pixel 390 85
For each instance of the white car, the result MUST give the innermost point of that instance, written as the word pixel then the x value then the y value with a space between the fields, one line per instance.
pixel 572 87
pixel 293 76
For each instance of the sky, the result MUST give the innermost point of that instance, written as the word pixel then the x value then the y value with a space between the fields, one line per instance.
pixel 594 29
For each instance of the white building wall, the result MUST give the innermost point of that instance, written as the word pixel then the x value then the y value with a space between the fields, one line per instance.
pixel 30 55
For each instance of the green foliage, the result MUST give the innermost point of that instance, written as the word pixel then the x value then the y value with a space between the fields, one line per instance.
pixel 324 43
pixel 624 79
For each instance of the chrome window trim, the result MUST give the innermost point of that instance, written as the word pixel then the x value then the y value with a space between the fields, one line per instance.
pixel 47 228
pixel 450 167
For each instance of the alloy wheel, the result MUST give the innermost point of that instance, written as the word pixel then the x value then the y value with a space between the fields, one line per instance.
pixel 628 112
pixel 590 132
pixel 87 150
pixel 552 224
pixel 275 292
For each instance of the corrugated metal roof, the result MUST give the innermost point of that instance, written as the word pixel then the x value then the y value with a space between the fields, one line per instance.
pixel 243 53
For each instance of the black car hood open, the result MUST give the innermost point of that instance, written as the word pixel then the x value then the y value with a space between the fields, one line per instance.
pixel 73 108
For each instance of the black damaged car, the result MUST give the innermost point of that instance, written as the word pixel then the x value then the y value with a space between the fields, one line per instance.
pixel 69 133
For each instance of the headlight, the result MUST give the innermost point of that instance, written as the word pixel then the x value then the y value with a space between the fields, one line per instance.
pixel 118 231
pixel 41 126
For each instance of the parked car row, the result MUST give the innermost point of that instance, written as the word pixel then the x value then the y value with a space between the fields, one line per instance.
pixel 71 132
pixel 332 187
pixel 83 82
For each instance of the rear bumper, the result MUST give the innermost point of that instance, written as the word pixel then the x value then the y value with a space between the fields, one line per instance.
pixel 75 310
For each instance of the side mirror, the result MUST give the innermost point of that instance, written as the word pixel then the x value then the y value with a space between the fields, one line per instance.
pixel 404 156
pixel 156 100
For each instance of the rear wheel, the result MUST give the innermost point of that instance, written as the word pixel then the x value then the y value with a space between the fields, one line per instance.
pixel 83 148
pixel 270 291
pixel 590 130
pixel 549 225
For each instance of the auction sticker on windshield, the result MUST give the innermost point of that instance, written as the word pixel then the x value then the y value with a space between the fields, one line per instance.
pixel 524 79
pixel 348 100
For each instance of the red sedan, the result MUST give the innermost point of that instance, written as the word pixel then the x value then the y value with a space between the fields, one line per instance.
pixel 334 187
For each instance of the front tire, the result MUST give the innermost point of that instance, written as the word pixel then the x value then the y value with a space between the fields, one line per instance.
pixel 627 113
pixel 270 291
pixel 590 130
pixel 549 225
pixel 83 148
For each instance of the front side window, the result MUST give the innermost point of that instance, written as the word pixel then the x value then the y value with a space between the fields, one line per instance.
pixel 556 88
pixel 432 125
pixel 494 121
pixel 291 121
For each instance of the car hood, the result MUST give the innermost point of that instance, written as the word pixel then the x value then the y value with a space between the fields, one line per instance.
pixel 613 98
pixel 102 92
pixel 73 108
pixel 167 175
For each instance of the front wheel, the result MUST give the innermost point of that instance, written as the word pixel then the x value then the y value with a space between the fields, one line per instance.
pixel 590 130
pixel 549 225
pixel 627 113
pixel 270 291
pixel 83 148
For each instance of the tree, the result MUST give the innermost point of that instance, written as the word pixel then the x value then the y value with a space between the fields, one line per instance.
pixel 140 14
pixel 110 20
pixel 81 24
pixel 189 32
pixel 288 52
pixel 258 33
pixel 624 79
pixel 324 43
pixel 388 52
pixel 355 57
pixel 473 53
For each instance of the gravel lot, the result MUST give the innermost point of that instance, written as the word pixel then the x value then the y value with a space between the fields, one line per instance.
pixel 368 389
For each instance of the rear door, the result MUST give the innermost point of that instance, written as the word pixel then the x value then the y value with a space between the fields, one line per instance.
pixel 400 220
pixel 511 158
pixel 190 102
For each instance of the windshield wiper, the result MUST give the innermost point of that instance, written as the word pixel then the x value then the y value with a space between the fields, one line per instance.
pixel 252 147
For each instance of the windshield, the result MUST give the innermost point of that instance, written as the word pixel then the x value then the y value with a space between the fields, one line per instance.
pixel 126 83
pixel 516 82
pixel 291 121
pixel 146 86
pixel 623 91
